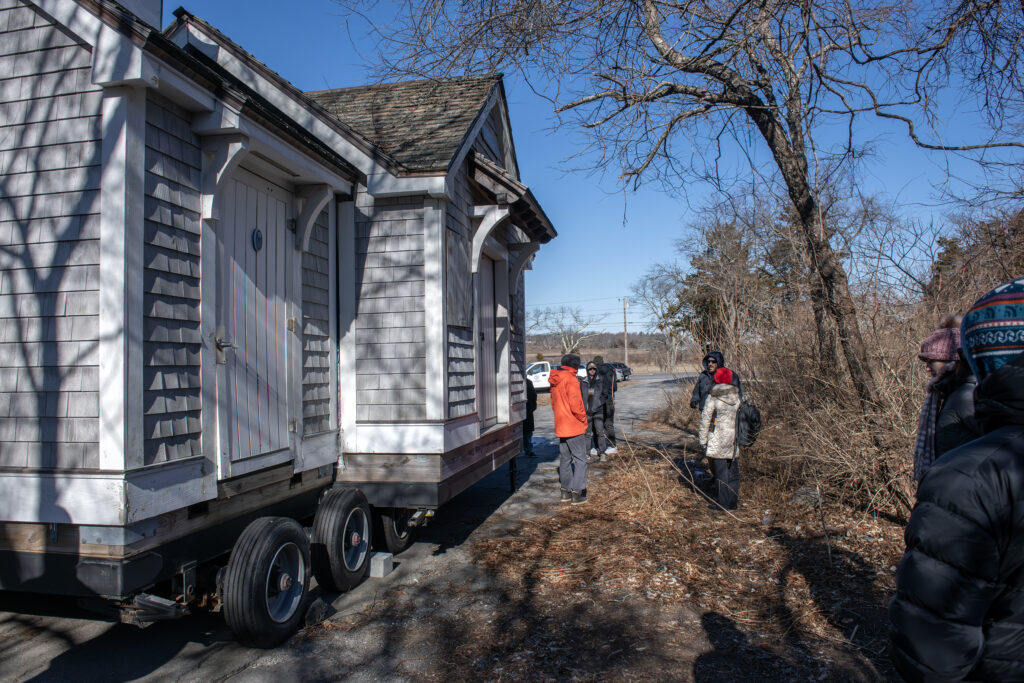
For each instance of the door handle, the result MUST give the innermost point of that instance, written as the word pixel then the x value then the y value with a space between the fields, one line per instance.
pixel 224 344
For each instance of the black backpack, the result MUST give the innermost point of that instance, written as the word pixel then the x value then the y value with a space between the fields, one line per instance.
pixel 748 423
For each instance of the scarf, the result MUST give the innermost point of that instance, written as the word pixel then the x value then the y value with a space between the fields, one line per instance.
pixel 924 445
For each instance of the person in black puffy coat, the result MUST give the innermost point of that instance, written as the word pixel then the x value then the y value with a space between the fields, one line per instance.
pixel 958 612
pixel 712 361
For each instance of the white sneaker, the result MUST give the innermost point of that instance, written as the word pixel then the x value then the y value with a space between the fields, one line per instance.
pixel 611 450
pixel 593 451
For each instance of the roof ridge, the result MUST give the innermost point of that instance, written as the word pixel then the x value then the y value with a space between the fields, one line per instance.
pixel 492 76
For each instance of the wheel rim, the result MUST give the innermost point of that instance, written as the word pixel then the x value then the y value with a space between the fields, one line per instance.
pixel 400 524
pixel 354 539
pixel 286 582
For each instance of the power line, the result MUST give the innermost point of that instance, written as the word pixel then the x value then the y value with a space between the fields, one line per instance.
pixel 575 301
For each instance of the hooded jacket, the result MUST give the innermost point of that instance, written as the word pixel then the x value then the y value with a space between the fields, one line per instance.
pixel 958 612
pixel 706 380
pixel 718 421
pixel 596 390
pixel 955 424
pixel 567 403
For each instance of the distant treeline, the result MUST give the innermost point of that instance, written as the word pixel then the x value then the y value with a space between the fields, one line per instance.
pixel 601 340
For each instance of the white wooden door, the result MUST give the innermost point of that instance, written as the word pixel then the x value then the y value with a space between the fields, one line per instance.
pixel 487 376
pixel 257 258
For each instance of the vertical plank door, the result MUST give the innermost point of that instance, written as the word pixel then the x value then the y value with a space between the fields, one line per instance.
pixel 257 260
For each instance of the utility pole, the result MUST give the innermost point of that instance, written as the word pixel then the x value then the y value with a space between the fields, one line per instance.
pixel 625 333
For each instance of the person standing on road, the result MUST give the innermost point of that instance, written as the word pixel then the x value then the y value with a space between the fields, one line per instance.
pixel 713 361
pixel 958 612
pixel 531 405
pixel 570 428
pixel 609 385
pixel 718 436
pixel 594 397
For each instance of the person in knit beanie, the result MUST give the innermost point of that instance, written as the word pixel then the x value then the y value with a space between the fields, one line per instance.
pixel 958 610
pixel 938 351
pixel 993 328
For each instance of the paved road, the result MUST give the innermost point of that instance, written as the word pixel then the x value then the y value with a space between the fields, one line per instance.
pixel 47 640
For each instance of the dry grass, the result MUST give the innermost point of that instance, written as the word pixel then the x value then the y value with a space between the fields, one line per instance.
pixel 775 570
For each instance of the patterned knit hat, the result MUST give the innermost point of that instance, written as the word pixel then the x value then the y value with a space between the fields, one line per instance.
pixel 993 328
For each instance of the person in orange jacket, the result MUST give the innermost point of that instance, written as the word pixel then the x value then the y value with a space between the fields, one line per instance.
pixel 570 428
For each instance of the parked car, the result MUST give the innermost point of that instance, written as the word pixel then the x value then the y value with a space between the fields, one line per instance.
pixel 622 371
pixel 538 373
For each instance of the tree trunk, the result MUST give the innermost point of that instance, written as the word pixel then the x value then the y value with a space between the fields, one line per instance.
pixel 836 289
pixel 828 360
pixel 788 153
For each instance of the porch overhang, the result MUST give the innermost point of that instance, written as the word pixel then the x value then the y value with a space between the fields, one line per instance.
pixel 525 210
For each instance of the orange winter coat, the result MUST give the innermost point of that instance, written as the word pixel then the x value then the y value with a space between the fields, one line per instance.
pixel 567 403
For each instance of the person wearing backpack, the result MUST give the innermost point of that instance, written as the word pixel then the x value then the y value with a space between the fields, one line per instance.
pixel 718 423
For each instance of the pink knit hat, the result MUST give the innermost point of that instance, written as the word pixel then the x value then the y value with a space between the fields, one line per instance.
pixel 941 345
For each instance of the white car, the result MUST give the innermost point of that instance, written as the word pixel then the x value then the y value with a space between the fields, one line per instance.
pixel 538 373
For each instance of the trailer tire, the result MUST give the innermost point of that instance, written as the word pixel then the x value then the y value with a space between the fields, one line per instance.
pixel 267 581
pixel 395 533
pixel 341 540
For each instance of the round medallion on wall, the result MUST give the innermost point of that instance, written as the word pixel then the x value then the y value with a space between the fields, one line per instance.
pixel 257 239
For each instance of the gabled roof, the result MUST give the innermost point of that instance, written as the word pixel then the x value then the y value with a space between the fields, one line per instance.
pixel 419 124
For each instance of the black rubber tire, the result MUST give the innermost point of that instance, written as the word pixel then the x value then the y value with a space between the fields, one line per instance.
pixel 395 533
pixel 247 582
pixel 339 564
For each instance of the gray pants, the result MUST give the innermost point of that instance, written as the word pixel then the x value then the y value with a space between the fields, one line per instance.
pixel 572 463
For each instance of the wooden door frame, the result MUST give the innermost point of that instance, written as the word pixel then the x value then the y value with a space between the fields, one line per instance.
pixel 499 255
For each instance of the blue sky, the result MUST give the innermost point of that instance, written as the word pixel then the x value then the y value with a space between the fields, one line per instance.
pixel 607 239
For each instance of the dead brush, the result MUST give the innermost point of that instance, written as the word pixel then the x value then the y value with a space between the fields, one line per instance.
pixel 648 534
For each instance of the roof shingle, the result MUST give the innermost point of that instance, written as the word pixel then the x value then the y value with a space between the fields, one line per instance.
pixel 419 124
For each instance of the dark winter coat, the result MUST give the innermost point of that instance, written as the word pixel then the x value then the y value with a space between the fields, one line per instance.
pixel 597 391
pixel 706 380
pixel 955 424
pixel 531 405
pixel 958 612
pixel 609 384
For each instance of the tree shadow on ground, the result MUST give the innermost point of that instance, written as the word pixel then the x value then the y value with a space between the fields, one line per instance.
pixel 845 592
pixel 733 657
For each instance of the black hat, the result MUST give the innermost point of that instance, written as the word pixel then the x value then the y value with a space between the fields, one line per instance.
pixel 572 360
pixel 598 360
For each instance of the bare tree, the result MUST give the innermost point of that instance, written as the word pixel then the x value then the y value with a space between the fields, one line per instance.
pixel 570 324
pixel 669 88
pixel 658 292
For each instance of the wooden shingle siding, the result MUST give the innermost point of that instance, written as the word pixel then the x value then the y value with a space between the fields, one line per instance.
pixel 461 374
pixel 390 323
pixel 171 345
pixel 49 246
pixel 316 333
pixel 488 142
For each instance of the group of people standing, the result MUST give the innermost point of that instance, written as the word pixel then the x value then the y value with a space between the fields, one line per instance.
pixel 958 613
pixel 579 403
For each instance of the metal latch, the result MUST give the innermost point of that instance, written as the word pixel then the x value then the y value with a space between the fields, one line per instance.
pixel 221 345
pixel 292 325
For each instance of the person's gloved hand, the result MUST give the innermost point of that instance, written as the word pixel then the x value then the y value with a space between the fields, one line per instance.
pixel 694 403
